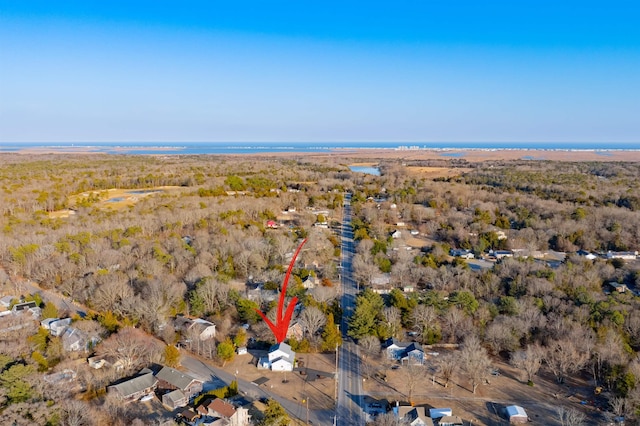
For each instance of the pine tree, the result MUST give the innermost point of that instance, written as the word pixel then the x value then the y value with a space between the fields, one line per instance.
pixel 331 337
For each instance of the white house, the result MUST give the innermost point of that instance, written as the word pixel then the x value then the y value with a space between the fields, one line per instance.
pixel 202 328
pixel 626 255
pixel 280 358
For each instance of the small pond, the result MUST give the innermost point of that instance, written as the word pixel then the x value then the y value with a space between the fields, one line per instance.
pixel 366 169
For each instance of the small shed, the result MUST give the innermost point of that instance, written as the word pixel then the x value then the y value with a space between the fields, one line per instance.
pixel 516 414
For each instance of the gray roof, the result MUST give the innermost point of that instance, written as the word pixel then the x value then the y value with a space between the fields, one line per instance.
pixel 284 348
pixel 135 385
pixel 412 413
pixel 174 396
pixel 176 378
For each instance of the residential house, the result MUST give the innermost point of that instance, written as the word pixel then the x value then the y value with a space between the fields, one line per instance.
pixel 26 307
pixel 171 379
pixel 96 362
pixel 586 254
pixel 381 283
pixel 133 389
pixel 626 255
pixel 280 358
pixel 46 323
pixel 414 416
pixel 409 352
pixel 74 340
pixel 500 254
pixel 617 287
pixel 396 234
pixel 295 331
pixel 450 421
pixel 462 253
pixel 174 399
pixel 57 328
pixel 236 416
pixel 5 301
pixel 310 282
pixel 199 327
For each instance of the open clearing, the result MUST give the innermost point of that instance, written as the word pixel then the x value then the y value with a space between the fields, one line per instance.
pixel 116 199
pixel 436 172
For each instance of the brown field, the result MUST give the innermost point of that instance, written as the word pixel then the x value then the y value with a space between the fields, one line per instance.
pixel 436 172
pixel 540 401
pixel 365 156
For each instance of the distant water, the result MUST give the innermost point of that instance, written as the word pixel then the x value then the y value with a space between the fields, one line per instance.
pixel 192 148
pixel 366 169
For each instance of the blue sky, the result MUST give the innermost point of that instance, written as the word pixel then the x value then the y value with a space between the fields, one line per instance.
pixel 410 71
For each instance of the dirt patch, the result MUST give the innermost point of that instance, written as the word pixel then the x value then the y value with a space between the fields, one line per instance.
pixel 436 172
pixel 486 405
pixel 419 242
pixel 292 385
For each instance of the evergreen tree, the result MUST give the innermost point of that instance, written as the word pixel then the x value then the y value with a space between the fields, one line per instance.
pixel 226 350
pixel 49 311
pixel 171 356
pixel 364 321
pixel 331 337
pixel 275 415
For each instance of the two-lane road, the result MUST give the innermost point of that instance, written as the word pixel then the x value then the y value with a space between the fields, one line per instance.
pixel 349 407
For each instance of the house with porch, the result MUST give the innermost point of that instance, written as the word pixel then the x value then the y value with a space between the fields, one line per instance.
pixel 405 352
pixel 280 358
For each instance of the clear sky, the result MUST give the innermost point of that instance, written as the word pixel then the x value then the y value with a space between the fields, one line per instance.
pixel 414 71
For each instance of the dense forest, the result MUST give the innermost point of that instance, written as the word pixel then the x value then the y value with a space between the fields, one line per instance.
pixel 137 240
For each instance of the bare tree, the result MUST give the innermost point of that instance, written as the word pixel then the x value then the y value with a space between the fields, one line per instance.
pixel 528 360
pixel 75 413
pixel 570 417
pixel 393 320
pixel 413 375
pixel 370 349
pixel 312 320
pixel 132 347
pixel 447 365
pixel 474 361
pixel 423 318
pixel 565 357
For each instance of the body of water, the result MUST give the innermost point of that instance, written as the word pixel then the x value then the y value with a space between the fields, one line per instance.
pixel 366 169
pixel 194 148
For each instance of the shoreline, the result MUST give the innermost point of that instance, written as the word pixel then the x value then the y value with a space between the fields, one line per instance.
pixel 461 154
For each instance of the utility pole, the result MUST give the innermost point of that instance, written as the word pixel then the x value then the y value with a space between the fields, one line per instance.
pixel 335 393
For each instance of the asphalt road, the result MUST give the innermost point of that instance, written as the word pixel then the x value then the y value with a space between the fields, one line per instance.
pixel 349 407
